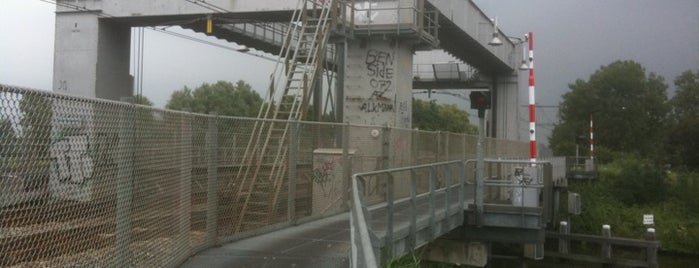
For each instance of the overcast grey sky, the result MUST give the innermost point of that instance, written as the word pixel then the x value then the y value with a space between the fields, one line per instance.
pixel 573 38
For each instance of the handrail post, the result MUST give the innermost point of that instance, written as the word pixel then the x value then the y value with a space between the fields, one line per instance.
pixel 651 251
pixel 606 246
pixel 563 243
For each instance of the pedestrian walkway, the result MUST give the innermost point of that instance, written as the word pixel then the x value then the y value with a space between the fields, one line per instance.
pixel 322 243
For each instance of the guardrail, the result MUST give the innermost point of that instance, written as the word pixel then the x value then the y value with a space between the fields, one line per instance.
pixel 416 213
pixel 648 246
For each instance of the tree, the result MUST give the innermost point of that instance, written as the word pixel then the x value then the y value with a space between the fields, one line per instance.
pixel 428 115
pixel 223 98
pixel 142 100
pixel 682 143
pixel 629 109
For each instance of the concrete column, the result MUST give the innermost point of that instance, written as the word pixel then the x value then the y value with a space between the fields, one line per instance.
pixel 91 56
pixel 378 91
pixel 378 83
pixel 506 107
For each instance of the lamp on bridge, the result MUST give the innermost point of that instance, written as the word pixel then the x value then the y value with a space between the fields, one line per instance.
pixel 496 34
pixel 521 41
pixel 497 42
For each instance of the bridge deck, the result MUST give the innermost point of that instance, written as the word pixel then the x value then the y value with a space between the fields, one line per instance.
pixel 321 243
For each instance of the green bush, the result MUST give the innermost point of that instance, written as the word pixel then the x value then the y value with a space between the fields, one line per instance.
pixel 635 181
pixel 675 213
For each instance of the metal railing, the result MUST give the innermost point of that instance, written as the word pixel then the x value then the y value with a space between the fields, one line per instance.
pixel 517 187
pixel 117 184
pixel 426 202
pixel 397 17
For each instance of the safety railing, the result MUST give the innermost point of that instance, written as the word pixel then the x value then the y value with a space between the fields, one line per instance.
pixel 118 184
pixel 397 18
pixel 445 71
pixel 518 188
pixel 418 204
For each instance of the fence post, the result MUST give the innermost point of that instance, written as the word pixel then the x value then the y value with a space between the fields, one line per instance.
pixel 385 147
pixel 563 243
pixel 433 200
pixel 606 247
pixel 124 183
pixel 184 186
pixel 347 166
pixel 439 147
pixel 293 158
pixel 389 215
pixel 413 210
pixel 212 183
pixel 651 251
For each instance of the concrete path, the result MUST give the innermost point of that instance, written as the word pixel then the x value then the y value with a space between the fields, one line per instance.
pixel 322 243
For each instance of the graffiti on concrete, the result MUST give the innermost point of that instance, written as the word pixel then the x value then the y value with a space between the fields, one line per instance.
pixel 324 176
pixel 379 65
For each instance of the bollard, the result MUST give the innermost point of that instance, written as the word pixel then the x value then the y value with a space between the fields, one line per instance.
pixel 606 247
pixel 651 251
pixel 563 244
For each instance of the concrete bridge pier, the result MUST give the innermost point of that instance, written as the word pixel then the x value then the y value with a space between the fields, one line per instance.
pixel 91 56
pixel 505 103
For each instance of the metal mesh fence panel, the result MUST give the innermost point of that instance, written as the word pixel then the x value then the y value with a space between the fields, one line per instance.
pixel 96 183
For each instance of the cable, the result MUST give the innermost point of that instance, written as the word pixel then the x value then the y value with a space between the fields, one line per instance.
pixel 209 6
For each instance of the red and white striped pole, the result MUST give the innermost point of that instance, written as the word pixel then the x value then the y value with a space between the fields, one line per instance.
pixel 592 140
pixel 532 99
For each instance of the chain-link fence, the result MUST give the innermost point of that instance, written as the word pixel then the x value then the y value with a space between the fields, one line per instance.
pixel 95 183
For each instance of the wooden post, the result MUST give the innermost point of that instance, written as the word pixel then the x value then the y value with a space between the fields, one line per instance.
pixel 563 244
pixel 651 251
pixel 606 247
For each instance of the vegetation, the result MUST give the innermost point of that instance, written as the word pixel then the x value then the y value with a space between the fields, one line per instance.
pixel 222 97
pixel 428 115
pixel 674 206
pixel 647 150
pixel 628 106
pixel 682 143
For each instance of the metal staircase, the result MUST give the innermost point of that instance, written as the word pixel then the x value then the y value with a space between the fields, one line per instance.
pixel 261 177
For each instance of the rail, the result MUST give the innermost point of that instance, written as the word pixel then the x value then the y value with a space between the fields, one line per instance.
pixel 431 210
